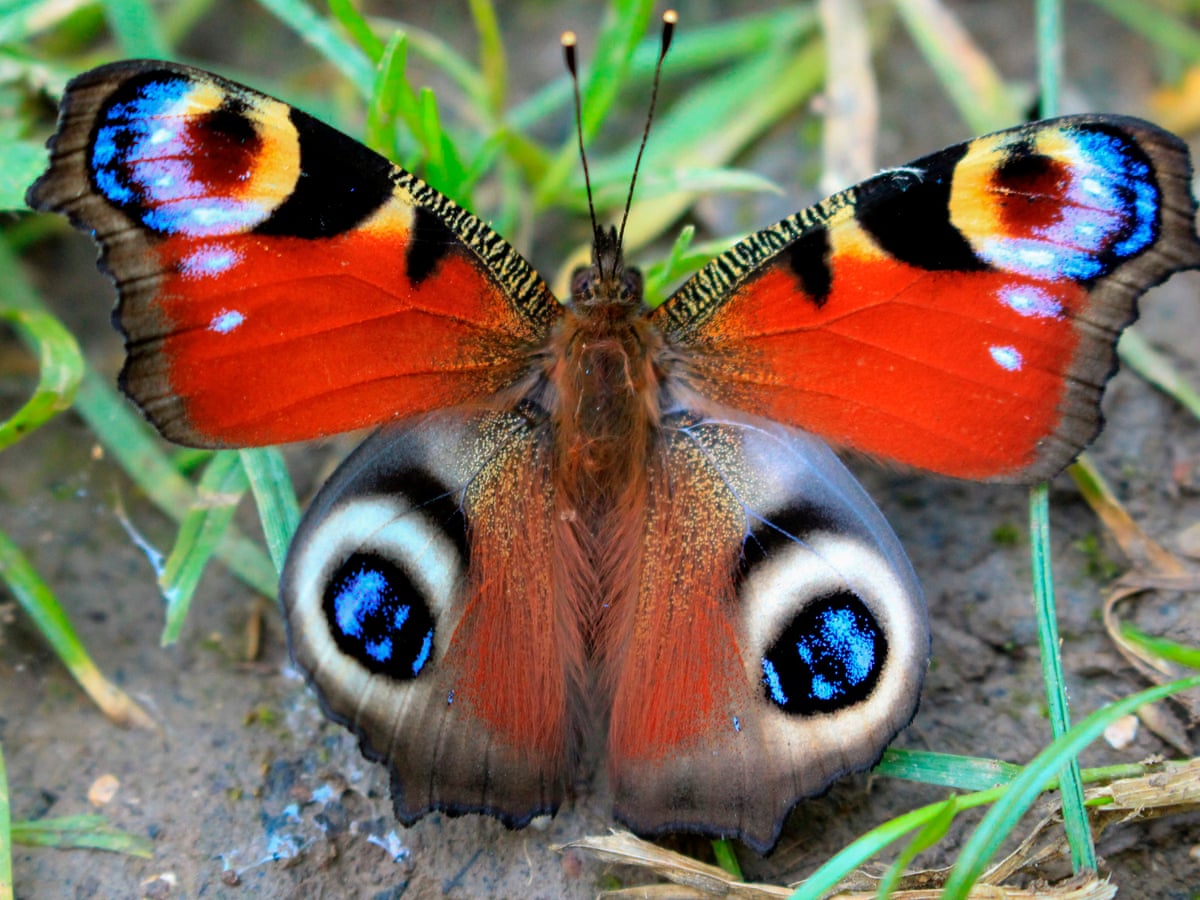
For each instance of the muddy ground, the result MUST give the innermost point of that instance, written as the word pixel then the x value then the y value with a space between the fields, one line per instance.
pixel 248 791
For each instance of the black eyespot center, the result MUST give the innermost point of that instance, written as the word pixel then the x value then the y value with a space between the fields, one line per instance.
pixel 828 657
pixel 379 617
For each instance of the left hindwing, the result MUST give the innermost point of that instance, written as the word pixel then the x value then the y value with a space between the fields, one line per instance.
pixel 278 280
pixel 958 314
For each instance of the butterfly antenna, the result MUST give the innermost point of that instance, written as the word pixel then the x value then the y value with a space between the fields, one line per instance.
pixel 669 20
pixel 568 45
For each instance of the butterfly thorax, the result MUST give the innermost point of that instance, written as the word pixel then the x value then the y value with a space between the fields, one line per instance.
pixel 604 370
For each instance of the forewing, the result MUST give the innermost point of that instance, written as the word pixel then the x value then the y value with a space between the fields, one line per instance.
pixel 959 314
pixel 277 280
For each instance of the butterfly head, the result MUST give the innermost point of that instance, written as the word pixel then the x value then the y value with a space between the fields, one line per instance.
pixel 607 282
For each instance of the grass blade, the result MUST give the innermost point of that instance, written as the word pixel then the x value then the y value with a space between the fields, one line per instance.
pixel 81 832
pixel 358 28
pixel 1079 835
pixel 1016 800
pixel 1140 549
pixel 878 839
pixel 392 97
pixel 625 23
pixel 60 369
pixel 1157 25
pixel 1050 56
pixel 320 35
pixel 134 445
pixel 1162 647
pixel 218 494
pixel 965 773
pixel 969 78
pixel 727 857
pixel 751 99
pixel 693 49
pixel 1137 353
pixel 492 63
pixel 140 454
pixel 20 163
pixel 451 63
pixel 136 28
pixel 6 882
pixel 51 620
pixel 275 497
pixel 932 832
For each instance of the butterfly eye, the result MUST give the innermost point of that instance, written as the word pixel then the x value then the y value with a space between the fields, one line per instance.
pixel 632 287
pixel 581 283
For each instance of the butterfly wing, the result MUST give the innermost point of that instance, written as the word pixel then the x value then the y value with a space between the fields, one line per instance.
pixel 419 602
pixel 278 280
pixel 778 639
pixel 958 314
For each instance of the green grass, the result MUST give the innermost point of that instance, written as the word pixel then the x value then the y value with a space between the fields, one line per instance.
pixel 735 82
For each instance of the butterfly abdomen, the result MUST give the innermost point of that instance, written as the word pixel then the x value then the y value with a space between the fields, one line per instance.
pixel 603 372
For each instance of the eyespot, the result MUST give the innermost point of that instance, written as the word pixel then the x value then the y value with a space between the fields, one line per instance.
pixel 374 577
pixel 834 619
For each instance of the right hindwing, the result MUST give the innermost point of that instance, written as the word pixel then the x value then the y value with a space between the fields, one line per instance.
pixel 780 636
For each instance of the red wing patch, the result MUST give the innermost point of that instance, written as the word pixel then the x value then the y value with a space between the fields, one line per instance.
pixel 277 280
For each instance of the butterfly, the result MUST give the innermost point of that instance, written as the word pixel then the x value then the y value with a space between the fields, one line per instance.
pixel 590 522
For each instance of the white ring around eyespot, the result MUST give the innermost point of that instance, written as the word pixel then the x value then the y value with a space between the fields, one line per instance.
pixel 779 588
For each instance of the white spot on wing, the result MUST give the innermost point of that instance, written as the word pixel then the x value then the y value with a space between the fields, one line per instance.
pixel 1028 300
pixel 1006 357
pixel 208 261
pixel 226 321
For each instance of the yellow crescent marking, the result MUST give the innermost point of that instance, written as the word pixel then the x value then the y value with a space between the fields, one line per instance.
pixel 395 216
pixel 973 205
pixel 848 239
pixel 277 166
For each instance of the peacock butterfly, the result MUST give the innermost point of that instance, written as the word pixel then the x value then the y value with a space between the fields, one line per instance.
pixel 588 516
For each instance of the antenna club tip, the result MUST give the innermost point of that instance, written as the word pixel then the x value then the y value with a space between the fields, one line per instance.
pixel 568 45
pixel 669 20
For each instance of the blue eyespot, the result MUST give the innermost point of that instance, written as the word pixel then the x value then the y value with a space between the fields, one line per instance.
pixel 378 616
pixel 177 170
pixel 1109 212
pixel 827 658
